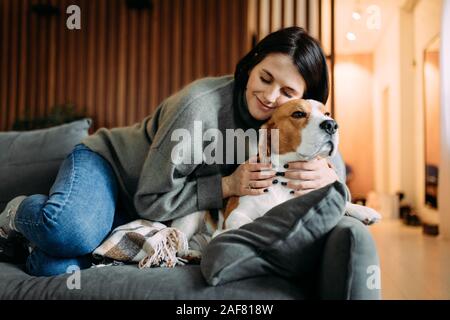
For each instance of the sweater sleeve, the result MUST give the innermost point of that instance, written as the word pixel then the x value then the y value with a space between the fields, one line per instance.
pixel 169 188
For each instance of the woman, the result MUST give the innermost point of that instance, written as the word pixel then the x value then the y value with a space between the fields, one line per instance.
pixel 121 174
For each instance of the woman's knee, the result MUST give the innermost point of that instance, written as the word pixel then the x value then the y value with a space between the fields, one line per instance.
pixel 78 213
pixel 76 237
pixel 76 229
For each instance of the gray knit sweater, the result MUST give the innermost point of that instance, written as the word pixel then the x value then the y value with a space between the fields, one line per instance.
pixel 151 185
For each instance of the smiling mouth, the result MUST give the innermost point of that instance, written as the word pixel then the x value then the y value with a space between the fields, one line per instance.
pixel 264 105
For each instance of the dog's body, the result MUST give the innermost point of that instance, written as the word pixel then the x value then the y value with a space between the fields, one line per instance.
pixel 305 132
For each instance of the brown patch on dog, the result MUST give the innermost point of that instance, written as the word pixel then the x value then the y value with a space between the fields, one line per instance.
pixel 232 204
pixel 210 220
pixel 265 143
pixel 289 128
pixel 192 257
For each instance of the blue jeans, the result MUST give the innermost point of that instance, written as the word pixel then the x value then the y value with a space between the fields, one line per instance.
pixel 79 213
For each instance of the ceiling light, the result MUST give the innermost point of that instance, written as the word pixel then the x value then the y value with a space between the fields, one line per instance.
pixel 351 36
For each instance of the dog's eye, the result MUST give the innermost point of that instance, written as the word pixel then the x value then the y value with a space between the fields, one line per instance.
pixel 298 114
pixel 327 114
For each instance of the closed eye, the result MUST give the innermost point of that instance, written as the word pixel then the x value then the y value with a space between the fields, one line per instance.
pixel 269 81
pixel 298 114
pixel 287 94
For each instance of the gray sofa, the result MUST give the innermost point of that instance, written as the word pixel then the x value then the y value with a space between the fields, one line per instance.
pixel 28 164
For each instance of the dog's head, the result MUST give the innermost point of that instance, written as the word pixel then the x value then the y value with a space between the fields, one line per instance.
pixel 306 131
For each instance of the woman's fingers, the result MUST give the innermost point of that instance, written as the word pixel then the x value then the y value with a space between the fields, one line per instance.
pixel 260 184
pixel 308 176
pixel 252 178
pixel 258 166
pixel 305 176
pixel 255 188
pixel 261 175
pixel 301 175
pixel 256 183
pixel 311 165
pixel 255 192
pixel 259 171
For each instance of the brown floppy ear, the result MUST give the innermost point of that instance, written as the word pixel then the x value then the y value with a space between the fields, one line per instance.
pixel 265 142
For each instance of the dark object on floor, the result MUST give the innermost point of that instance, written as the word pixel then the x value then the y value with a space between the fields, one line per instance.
pixel 405 211
pixel 410 218
pixel 404 208
pixel 400 195
pixel 430 229
pixel 431 185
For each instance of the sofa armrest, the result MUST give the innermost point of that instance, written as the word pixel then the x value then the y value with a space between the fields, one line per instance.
pixel 350 263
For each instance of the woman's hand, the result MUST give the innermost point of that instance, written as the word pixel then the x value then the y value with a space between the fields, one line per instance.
pixel 309 175
pixel 250 178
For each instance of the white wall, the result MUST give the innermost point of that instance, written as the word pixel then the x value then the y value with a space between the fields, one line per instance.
pixel 444 185
pixel 354 109
pixel 387 75
pixel 398 65
pixel 427 24
pixel 407 115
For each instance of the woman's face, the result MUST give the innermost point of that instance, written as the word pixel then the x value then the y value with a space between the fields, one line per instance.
pixel 272 82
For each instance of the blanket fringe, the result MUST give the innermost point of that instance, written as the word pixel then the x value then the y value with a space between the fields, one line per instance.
pixel 162 249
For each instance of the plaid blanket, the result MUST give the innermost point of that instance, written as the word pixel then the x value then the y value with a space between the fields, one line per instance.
pixel 146 242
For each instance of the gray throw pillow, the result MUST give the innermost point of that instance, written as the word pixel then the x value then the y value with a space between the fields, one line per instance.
pixel 29 160
pixel 287 241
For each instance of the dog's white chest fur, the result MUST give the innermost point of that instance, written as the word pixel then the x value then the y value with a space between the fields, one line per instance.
pixel 253 207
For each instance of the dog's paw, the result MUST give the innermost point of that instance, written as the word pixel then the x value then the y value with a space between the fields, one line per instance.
pixel 365 214
pixel 191 256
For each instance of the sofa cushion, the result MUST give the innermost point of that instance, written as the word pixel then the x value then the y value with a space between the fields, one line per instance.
pixel 287 241
pixel 29 160
pixel 130 282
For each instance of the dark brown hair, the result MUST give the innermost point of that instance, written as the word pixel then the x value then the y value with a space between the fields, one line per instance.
pixel 306 53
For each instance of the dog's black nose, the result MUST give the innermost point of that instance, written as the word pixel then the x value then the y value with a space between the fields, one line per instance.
pixel 330 126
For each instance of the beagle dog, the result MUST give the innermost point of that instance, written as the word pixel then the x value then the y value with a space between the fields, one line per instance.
pixel 305 132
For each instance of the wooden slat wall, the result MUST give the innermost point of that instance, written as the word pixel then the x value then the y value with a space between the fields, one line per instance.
pixel 124 62
pixel 121 64
pixel 266 16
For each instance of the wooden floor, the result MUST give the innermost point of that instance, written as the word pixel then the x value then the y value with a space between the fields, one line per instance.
pixel 413 265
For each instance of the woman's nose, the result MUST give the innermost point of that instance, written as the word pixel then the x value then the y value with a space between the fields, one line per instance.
pixel 271 96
